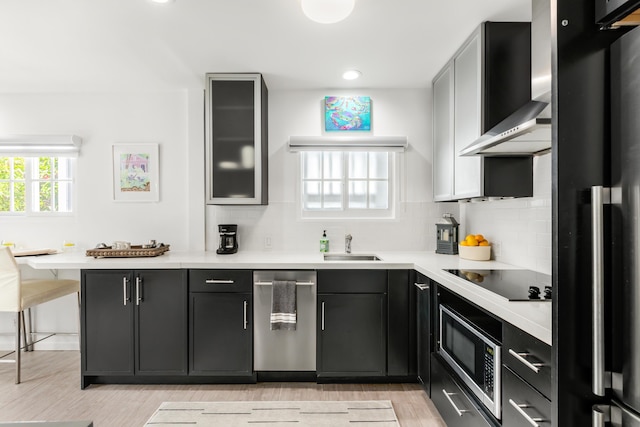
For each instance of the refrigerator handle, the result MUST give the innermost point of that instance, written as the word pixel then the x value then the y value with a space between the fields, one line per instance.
pixel 599 197
pixel 600 414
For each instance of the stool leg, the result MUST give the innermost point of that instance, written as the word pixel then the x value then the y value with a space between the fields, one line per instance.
pixel 25 336
pixel 29 335
pixel 18 321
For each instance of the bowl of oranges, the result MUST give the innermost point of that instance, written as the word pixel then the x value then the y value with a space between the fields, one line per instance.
pixel 475 247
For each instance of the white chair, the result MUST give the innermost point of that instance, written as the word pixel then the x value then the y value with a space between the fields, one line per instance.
pixel 18 295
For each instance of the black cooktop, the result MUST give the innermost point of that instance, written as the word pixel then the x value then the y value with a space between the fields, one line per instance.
pixel 514 285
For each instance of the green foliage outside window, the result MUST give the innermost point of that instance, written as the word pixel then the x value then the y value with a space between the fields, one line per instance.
pixel 14 179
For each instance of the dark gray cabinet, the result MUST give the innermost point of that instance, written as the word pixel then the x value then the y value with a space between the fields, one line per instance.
pixel 456 407
pixel 236 139
pixel 526 379
pixel 352 323
pixel 522 404
pixel 221 323
pixel 401 336
pixel 424 332
pixel 133 323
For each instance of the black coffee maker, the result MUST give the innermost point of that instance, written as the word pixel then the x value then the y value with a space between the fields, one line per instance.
pixel 228 239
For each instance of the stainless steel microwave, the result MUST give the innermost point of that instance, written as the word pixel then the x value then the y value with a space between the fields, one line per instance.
pixel 473 355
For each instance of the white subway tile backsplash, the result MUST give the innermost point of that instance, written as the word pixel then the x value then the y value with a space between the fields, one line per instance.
pixel 413 230
pixel 519 229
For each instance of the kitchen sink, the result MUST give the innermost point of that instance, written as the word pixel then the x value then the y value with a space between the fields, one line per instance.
pixel 350 257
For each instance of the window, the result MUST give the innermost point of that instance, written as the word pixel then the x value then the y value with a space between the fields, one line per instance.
pixel 31 185
pixel 347 184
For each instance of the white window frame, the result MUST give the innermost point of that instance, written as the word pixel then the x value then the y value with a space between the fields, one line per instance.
pixel 31 180
pixel 345 212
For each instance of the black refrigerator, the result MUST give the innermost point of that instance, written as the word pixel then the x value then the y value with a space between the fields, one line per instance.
pixel 596 220
pixel 616 248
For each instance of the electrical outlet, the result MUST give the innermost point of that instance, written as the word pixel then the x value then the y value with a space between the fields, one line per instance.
pixel 267 242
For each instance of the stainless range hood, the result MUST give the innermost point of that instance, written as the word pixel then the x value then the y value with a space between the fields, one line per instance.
pixel 528 130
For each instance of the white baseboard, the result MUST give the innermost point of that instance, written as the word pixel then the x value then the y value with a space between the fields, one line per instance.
pixel 57 341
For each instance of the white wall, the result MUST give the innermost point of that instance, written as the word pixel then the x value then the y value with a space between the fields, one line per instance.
pixel 102 120
pixel 519 229
pixel 394 112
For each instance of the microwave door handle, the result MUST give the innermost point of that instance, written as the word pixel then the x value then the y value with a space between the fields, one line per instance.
pixel 599 197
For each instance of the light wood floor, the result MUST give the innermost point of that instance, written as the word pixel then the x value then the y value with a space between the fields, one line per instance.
pixel 51 391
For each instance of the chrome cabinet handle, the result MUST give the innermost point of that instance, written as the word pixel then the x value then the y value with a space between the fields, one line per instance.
pixel 422 286
pixel 534 366
pixel 138 285
pixel 245 315
pixel 519 407
pixel 219 282
pixel 124 291
pixel 322 318
pixel 597 301
pixel 448 396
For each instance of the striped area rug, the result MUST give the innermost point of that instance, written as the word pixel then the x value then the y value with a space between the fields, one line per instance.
pixel 377 413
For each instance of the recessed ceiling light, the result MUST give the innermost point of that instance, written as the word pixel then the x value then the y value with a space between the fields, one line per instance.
pixel 327 11
pixel 351 74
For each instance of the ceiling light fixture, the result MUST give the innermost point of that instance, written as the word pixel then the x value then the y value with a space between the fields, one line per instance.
pixel 351 74
pixel 327 11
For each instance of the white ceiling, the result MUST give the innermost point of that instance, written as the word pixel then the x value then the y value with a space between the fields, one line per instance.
pixel 107 45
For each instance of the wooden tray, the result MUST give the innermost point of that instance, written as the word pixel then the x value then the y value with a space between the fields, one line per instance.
pixel 134 252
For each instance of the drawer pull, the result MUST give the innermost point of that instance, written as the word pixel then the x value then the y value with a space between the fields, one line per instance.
pixel 422 286
pixel 519 407
pixel 448 396
pixel 535 366
pixel 245 315
pixel 219 282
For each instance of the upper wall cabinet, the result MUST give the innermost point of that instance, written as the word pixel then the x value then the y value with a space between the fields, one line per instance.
pixel 488 78
pixel 236 139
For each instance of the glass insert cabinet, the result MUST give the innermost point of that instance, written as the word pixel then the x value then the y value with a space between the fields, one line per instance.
pixel 236 139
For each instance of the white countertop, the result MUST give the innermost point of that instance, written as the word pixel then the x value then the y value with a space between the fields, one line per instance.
pixel 532 317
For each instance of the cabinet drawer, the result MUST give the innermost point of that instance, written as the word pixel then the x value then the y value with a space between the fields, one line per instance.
pixel 455 407
pixel 352 281
pixel 220 281
pixel 522 405
pixel 528 357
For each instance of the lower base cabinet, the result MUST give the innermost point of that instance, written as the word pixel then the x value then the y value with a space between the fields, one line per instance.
pixel 221 339
pixel 134 324
pixel 221 324
pixel 351 335
pixel 455 406
pixel 424 333
pixel 522 405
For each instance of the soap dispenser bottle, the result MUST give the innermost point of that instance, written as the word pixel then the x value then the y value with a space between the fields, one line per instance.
pixel 324 242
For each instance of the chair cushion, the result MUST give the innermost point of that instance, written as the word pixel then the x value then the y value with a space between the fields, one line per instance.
pixel 38 291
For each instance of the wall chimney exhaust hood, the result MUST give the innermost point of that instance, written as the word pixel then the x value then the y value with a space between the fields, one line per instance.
pixel 528 130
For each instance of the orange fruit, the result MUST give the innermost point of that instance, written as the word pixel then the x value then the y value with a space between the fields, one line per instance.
pixel 463 243
pixel 483 243
pixel 479 237
pixel 472 241
pixel 468 236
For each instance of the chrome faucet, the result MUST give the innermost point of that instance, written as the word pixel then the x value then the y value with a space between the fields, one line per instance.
pixel 347 243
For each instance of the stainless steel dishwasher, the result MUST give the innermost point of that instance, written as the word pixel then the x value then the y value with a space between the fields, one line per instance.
pixel 284 350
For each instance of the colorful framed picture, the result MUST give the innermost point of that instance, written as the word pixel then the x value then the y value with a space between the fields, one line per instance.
pixel 347 113
pixel 135 173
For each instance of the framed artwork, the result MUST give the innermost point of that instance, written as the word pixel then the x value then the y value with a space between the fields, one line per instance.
pixel 135 173
pixel 347 113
